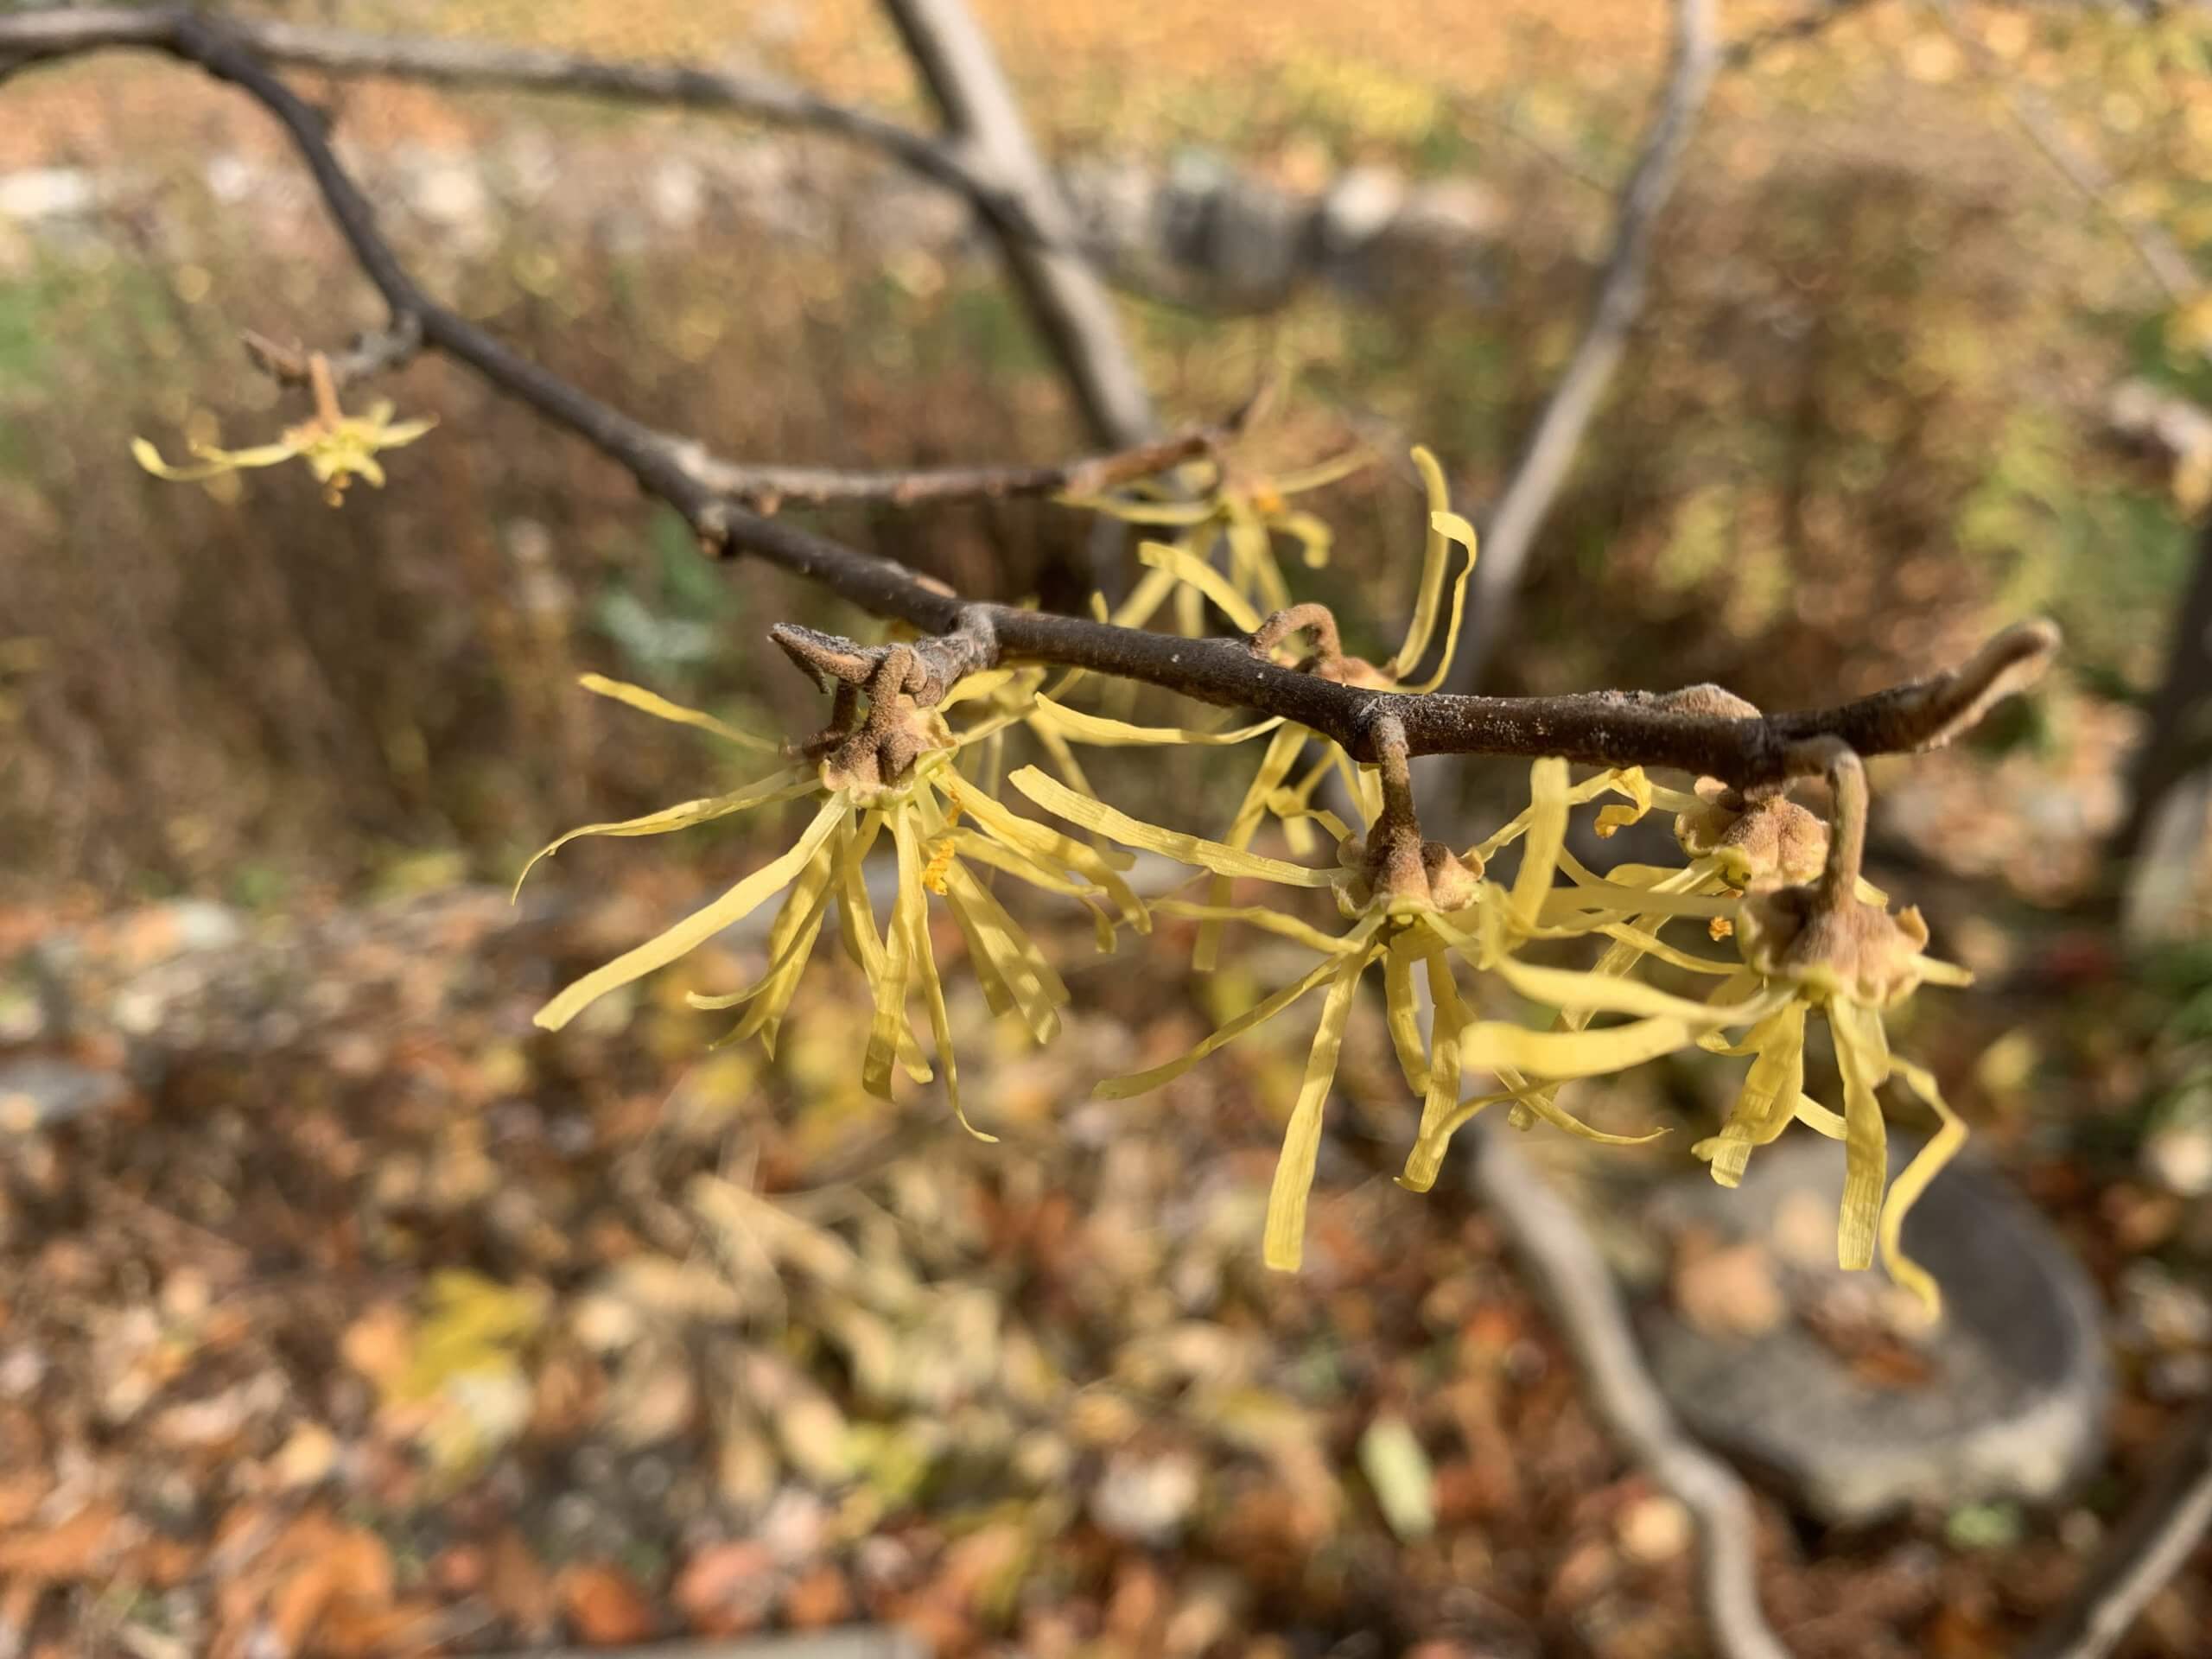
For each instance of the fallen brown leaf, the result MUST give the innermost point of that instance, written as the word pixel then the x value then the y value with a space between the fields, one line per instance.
pixel 603 1605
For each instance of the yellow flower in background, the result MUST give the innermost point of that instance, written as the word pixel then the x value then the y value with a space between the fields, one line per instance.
pixel 1245 510
pixel 338 448
pixel 942 827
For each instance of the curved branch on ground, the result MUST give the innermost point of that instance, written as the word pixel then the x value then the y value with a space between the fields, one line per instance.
pixel 2161 1532
pixel 1576 1289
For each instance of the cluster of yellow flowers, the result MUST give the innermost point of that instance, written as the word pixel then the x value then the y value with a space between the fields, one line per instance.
pixel 1755 872
pixel 1758 870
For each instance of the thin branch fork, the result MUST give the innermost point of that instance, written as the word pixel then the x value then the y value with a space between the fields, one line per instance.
pixel 1063 295
pixel 2168 266
pixel 1613 728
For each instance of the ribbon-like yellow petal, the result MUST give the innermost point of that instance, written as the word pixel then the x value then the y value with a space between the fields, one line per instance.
pixel 1285 1245
pixel 1862 1055
pixel 1452 528
pixel 791 941
pixel 998 944
pixel 804 907
pixel 1767 1103
pixel 1639 936
pixel 1448 1019
pixel 1195 572
pixel 1614 993
pixel 1546 833
pixel 1311 532
pixel 1091 814
pixel 1402 1014
pixel 1299 480
pixel 1098 730
pixel 1259 916
pixel 771 791
pixel 905 835
pixel 1049 847
pixel 1140 1083
pixel 1145 512
pixel 1252 565
pixel 649 703
pixel 1436 557
pixel 1495 1044
pixel 1282 752
pixel 210 459
pixel 1912 1181
pixel 697 928
pixel 890 1034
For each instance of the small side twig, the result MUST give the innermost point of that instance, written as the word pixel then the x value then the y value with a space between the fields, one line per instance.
pixel 1816 19
pixel 765 489
pixel 378 352
pixel 2168 1521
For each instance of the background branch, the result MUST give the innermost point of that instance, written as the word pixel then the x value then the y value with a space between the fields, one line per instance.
pixel 2152 1544
pixel 1064 295
pixel 1572 1281
pixel 40 34
pixel 2159 253
pixel 1541 468
pixel 1613 728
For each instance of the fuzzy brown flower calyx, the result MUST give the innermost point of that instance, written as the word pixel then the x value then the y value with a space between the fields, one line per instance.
pixel 1853 949
pixel 1763 842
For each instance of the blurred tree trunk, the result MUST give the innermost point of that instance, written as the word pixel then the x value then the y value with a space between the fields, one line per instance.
pixel 2157 849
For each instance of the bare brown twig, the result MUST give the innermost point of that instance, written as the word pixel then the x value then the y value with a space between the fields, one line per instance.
pixel 1600 728
pixel 764 489
pixel 378 352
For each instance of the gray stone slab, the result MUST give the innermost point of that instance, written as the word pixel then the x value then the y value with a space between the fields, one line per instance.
pixel 2007 1396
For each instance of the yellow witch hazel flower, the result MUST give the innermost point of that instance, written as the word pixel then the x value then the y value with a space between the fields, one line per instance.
pixel 1416 904
pixel 1245 510
pixel 1813 938
pixel 897 773
pixel 1274 792
pixel 338 448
